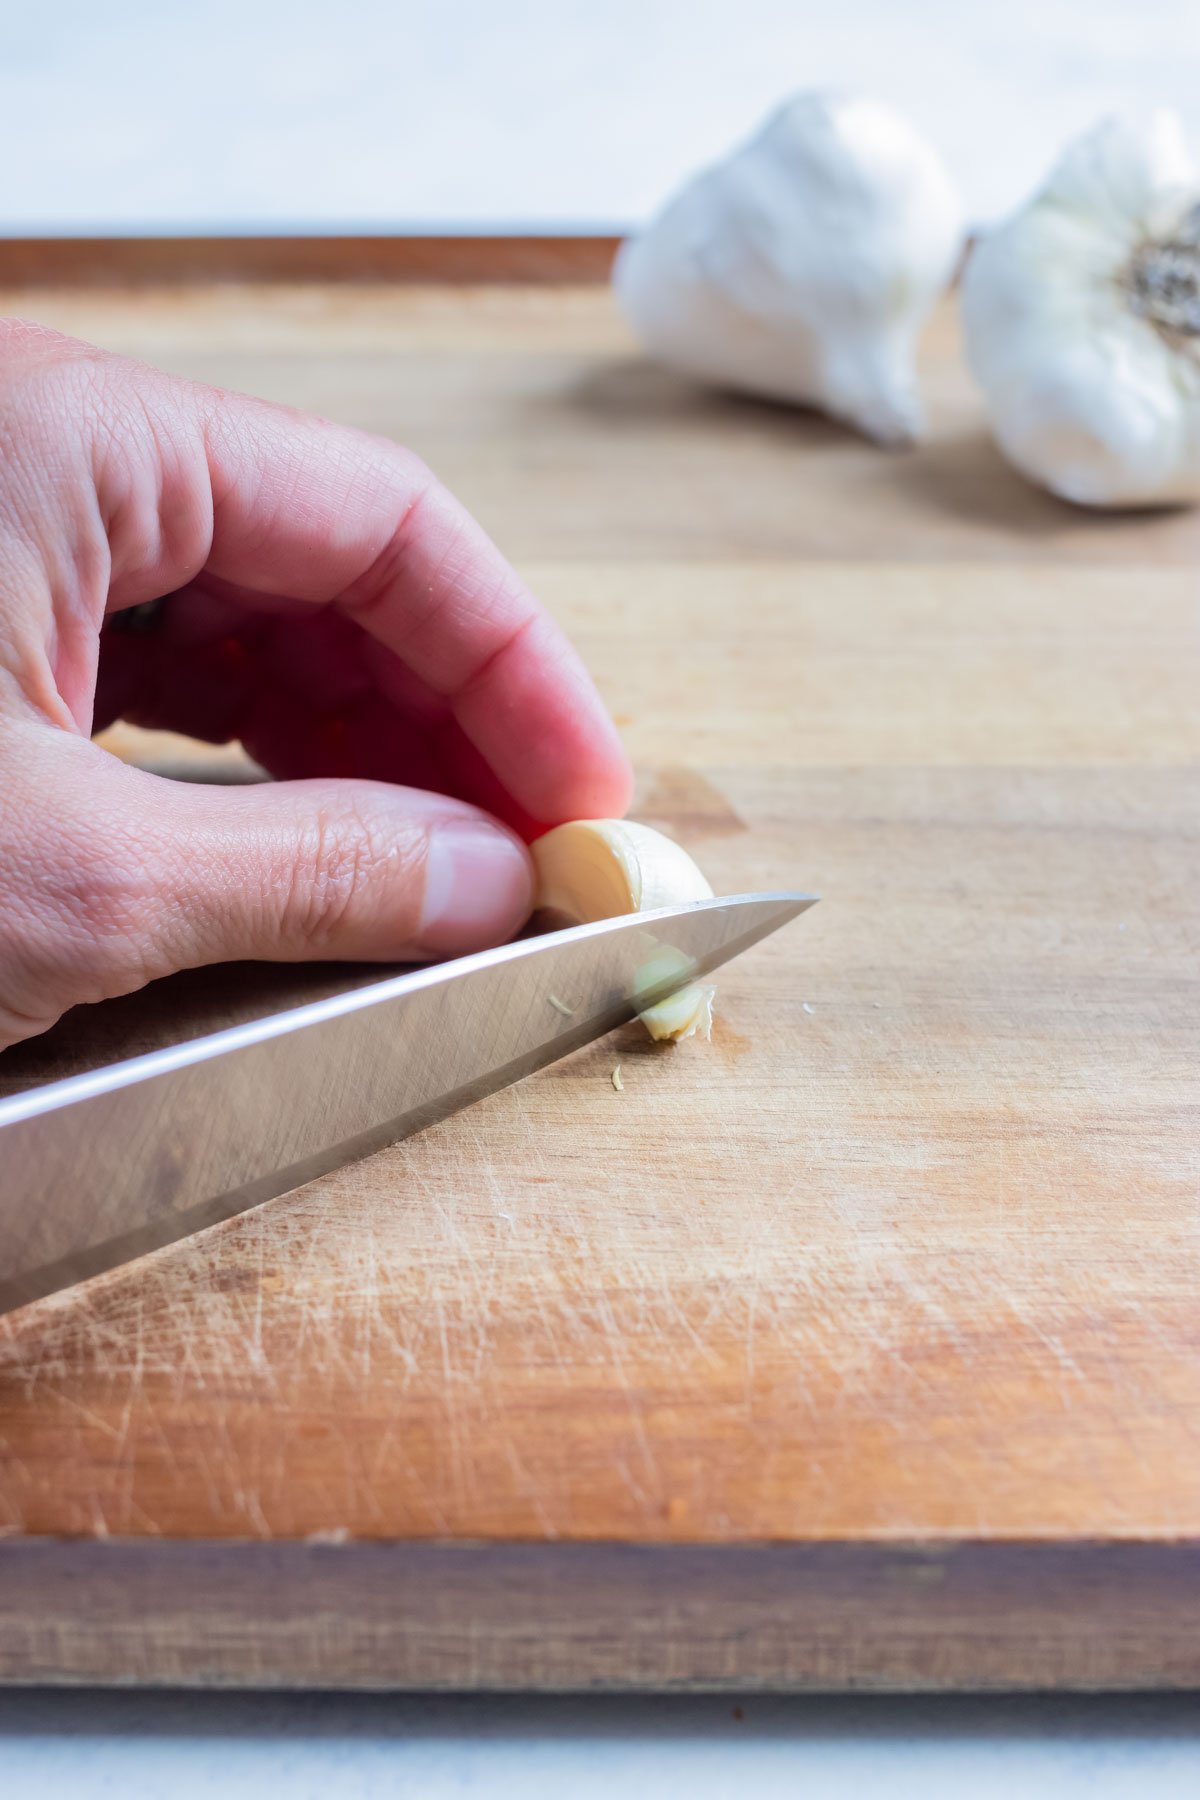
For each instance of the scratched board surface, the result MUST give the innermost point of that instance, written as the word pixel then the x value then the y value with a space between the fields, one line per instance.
pixel 903 1264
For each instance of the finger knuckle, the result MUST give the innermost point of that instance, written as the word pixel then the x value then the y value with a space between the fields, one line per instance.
pixel 38 364
pixel 24 339
pixel 345 861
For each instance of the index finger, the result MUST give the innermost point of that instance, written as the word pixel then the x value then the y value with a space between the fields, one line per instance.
pixel 323 513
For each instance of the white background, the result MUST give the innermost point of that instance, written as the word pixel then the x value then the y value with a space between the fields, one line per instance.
pixel 375 1747
pixel 236 114
pixel 151 115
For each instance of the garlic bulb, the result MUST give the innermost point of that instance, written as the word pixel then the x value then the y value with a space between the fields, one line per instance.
pixel 803 266
pixel 601 868
pixel 1082 317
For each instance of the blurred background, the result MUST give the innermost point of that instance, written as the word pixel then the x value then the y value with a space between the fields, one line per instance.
pixel 296 115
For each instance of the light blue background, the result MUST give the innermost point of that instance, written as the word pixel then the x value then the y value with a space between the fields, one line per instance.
pixel 358 1747
pixel 144 113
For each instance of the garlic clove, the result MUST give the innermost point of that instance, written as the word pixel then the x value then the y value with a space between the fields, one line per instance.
pixel 686 1012
pixel 1082 322
pixel 596 869
pixel 601 868
pixel 803 266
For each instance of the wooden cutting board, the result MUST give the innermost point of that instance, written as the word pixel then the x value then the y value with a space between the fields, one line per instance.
pixel 860 1347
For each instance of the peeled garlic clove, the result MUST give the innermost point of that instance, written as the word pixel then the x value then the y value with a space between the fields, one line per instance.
pixel 603 868
pixel 1082 321
pixel 803 266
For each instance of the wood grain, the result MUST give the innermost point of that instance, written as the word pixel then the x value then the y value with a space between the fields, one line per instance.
pixel 91 262
pixel 898 1275
pixel 601 1616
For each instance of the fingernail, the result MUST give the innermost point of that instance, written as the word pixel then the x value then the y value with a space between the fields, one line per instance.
pixel 478 887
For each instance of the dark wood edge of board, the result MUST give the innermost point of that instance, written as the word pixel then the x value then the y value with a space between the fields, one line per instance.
pixel 145 261
pixel 582 1617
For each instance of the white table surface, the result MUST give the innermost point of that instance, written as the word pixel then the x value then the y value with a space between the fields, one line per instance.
pixel 357 1747
pixel 145 115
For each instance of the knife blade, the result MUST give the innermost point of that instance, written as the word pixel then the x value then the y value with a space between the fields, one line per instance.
pixel 102 1167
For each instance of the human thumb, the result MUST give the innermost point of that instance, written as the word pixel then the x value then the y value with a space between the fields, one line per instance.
pixel 120 877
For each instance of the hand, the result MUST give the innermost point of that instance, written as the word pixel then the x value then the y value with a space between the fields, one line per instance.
pixel 332 607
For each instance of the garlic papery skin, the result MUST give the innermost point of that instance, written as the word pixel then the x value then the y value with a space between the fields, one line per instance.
pixel 803 266
pixel 1082 321
pixel 603 868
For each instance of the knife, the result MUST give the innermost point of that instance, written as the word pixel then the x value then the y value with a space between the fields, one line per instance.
pixel 101 1167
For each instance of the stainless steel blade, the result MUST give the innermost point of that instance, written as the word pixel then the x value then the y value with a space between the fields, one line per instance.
pixel 102 1167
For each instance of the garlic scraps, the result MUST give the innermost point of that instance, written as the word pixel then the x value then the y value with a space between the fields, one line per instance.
pixel 1082 317
pixel 803 266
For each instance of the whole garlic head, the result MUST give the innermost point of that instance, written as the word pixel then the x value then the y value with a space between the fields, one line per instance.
pixel 803 266
pixel 1082 318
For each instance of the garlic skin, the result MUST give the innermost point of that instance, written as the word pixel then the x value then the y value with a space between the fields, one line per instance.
pixel 804 265
pixel 1082 321
pixel 603 868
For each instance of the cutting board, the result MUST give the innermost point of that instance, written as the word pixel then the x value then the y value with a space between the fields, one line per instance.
pixel 859 1347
